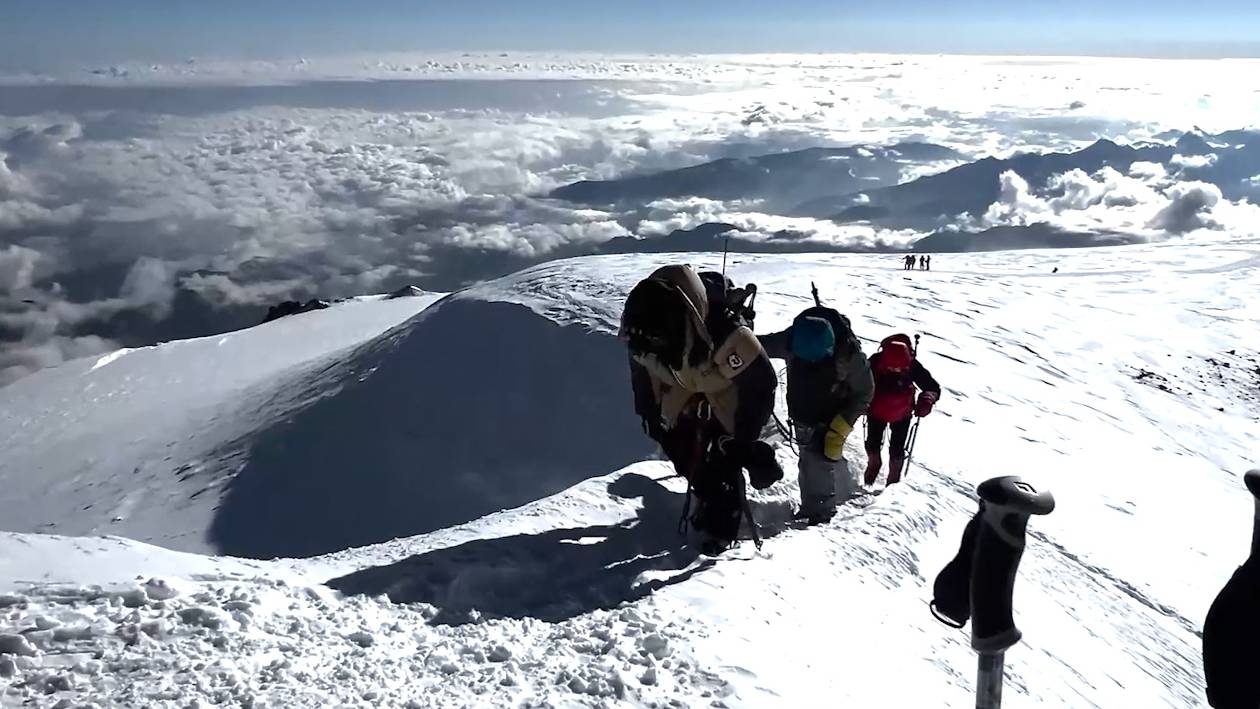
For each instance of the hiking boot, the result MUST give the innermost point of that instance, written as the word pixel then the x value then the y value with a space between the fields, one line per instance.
pixel 714 546
pixel 895 464
pixel 716 528
pixel 816 509
pixel 872 466
pixel 813 515
pixel 820 517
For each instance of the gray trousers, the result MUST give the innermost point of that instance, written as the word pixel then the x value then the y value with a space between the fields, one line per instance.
pixel 816 475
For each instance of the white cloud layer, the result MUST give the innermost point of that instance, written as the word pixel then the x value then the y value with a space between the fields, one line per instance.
pixel 1145 202
pixel 17 265
pixel 668 215
pixel 122 188
pixel 1193 161
pixel 31 355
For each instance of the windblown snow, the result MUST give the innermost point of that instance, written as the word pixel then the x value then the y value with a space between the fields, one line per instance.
pixel 467 514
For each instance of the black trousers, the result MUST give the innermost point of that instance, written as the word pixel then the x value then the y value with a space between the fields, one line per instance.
pixel 716 480
pixel 875 435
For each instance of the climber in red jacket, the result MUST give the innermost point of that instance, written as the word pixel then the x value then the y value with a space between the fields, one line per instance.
pixel 897 374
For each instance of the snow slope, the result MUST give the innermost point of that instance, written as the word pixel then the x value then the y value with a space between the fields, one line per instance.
pixel 1123 383
pixel 129 443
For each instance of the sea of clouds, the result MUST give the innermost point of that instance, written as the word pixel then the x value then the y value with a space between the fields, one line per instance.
pixel 140 203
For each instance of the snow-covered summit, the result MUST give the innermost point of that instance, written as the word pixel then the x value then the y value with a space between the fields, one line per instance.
pixel 544 569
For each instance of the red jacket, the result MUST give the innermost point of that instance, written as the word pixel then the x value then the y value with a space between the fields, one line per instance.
pixel 897 373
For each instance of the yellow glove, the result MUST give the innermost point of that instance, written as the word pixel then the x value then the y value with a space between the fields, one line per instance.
pixel 833 441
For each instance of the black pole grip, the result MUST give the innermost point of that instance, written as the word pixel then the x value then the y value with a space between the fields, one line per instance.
pixel 951 594
pixel 1232 626
pixel 1007 504
pixel 1252 478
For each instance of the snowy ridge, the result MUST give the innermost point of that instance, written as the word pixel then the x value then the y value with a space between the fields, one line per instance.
pixel 586 596
pixel 37 560
pixel 116 444
pixel 518 421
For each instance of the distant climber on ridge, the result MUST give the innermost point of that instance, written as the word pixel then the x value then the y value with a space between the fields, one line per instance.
pixel 704 389
pixel 829 386
pixel 897 372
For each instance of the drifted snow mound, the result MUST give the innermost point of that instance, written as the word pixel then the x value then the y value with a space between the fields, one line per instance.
pixel 115 623
pixel 469 408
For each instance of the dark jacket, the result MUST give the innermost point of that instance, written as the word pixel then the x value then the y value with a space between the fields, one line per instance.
pixel 817 392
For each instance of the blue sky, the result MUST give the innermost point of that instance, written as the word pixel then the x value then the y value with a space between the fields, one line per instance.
pixel 41 33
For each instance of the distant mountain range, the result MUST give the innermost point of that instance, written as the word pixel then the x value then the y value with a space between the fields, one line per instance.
pixel 928 201
pixel 859 184
pixel 781 179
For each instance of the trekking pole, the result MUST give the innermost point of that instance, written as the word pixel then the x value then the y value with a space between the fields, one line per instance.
pixel 753 529
pixel 1232 625
pixel 979 583
pixel 785 431
pixel 914 428
pixel 814 290
pixel 914 436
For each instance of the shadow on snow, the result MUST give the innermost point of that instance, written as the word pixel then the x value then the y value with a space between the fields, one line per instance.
pixel 552 576
pixel 467 409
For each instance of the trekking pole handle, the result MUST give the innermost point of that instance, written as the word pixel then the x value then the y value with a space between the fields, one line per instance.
pixel 1008 503
pixel 1252 478
pixel 951 592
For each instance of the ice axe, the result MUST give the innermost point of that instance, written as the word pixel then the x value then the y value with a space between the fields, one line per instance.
pixel 1232 626
pixel 979 583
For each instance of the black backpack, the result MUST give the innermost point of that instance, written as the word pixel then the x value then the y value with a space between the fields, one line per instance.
pixel 729 307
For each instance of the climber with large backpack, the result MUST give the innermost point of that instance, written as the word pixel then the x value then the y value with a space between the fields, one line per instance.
pixel 828 388
pixel 704 390
pixel 897 373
